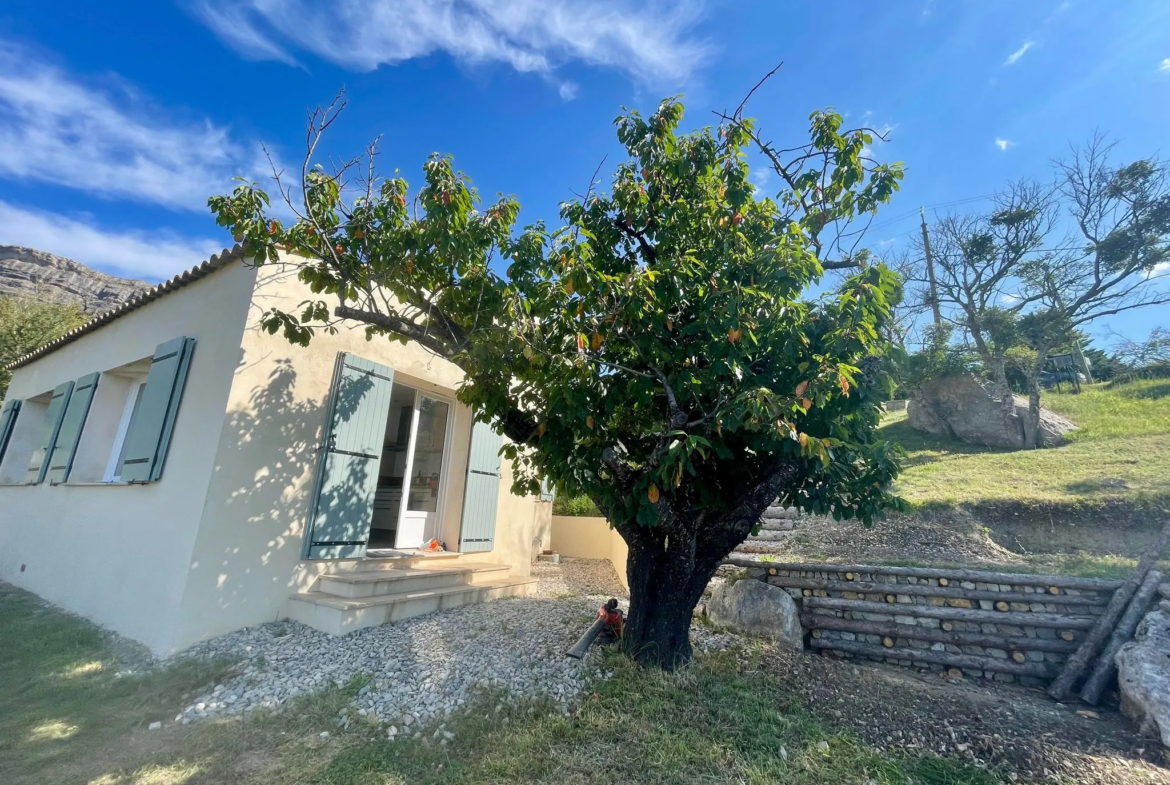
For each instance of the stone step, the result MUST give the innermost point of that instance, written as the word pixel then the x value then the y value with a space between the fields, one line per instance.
pixel 779 513
pixel 341 615
pixel 757 546
pixel 769 536
pixel 370 583
pixel 777 526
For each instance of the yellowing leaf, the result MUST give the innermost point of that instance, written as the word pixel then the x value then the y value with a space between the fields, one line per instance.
pixel 652 494
pixel 580 342
pixel 805 404
pixel 569 286
pixel 844 383
pixel 589 422
pixel 803 440
pixel 596 341
pixel 800 388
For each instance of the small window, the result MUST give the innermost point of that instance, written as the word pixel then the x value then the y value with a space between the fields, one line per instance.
pixel 111 414
pixel 118 453
pixel 24 439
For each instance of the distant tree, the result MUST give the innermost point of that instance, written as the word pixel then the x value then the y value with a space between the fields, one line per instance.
pixel 26 324
pixel 978 258
pixel 1122 262
pixel 1012 280
pixel 658 351
pixel 1154 350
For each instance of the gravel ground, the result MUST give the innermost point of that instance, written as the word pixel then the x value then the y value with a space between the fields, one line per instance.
pixel 1014 729
pixel 425 668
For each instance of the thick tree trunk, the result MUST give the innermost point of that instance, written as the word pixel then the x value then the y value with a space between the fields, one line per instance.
pixel 666 582
pixel 670 564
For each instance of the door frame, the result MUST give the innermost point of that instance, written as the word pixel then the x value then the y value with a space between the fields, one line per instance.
pixel 444 466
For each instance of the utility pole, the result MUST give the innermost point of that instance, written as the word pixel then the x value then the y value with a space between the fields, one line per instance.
pixel 930 269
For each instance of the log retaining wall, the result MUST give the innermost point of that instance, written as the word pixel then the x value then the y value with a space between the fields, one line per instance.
pixel 1001 626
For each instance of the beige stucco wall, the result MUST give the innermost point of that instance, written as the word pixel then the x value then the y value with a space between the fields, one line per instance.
pixel 119 554
pixel 248 555
pixel 590 537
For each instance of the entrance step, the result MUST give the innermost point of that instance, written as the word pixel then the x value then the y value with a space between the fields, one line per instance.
pixel 340 615
pixel 392 560
pixel 371 583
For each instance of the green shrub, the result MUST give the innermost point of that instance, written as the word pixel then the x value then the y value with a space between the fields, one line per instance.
pixel 575 505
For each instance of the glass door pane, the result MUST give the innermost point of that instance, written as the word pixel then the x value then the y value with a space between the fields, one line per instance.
pixel 419 521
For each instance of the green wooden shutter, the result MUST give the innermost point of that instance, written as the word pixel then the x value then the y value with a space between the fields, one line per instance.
pixel 478 532
pixel 8 423
pixel 65 447
pixel 39 464
pixel 150 433
pixel 548 491
pixel 347 472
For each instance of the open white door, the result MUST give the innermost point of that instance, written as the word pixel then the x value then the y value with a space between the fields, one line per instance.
pixel 426 472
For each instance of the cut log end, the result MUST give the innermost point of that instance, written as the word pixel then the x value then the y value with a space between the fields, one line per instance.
pixel 1002 606
pixel 1067 635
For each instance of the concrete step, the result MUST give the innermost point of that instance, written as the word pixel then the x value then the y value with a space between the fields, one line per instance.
pixel 779 513
pixel 393 562
pixel 341 615
pixel 371 583
pixel 776 526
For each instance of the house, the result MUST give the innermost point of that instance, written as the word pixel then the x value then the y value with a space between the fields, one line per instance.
pixel 173 472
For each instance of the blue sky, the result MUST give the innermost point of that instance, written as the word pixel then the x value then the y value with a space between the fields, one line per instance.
pixel 118 119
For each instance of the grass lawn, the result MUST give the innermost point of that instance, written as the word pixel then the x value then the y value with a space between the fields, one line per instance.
pixel 68 718
pixel 1121 452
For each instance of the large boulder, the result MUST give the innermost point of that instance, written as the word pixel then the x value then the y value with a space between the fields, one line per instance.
pixel 961 407
pixel 1143 675
pixel 757 608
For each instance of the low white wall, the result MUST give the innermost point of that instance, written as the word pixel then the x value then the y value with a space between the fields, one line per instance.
pixel 590 537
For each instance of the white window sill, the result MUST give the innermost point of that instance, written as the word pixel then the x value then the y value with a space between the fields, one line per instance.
pixel 96 484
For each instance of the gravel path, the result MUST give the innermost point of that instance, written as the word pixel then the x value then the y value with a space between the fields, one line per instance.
pixel 427 667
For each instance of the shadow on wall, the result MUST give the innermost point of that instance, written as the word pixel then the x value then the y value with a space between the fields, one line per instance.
pixel 252 541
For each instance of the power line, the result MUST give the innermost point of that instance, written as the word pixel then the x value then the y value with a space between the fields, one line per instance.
pixel 935 206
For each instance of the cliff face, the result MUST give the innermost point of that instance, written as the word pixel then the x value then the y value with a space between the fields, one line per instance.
pixel 40 276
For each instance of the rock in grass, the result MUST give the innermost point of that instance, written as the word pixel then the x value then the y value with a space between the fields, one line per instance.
pixel 757 608
pixel 1143 675
pixel 962 407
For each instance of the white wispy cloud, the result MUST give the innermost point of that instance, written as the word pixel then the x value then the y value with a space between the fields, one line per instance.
pixel 1004 144
pixel 761 175
pixel 56 129
pixel 651 41
pixel 568 90
pixel 1165 65
pixel 137 254
pixel 1016 55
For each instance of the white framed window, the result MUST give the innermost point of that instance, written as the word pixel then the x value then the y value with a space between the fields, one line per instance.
pixel 113 471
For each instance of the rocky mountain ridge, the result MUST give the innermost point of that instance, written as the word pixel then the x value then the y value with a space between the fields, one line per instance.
pixel 41 276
